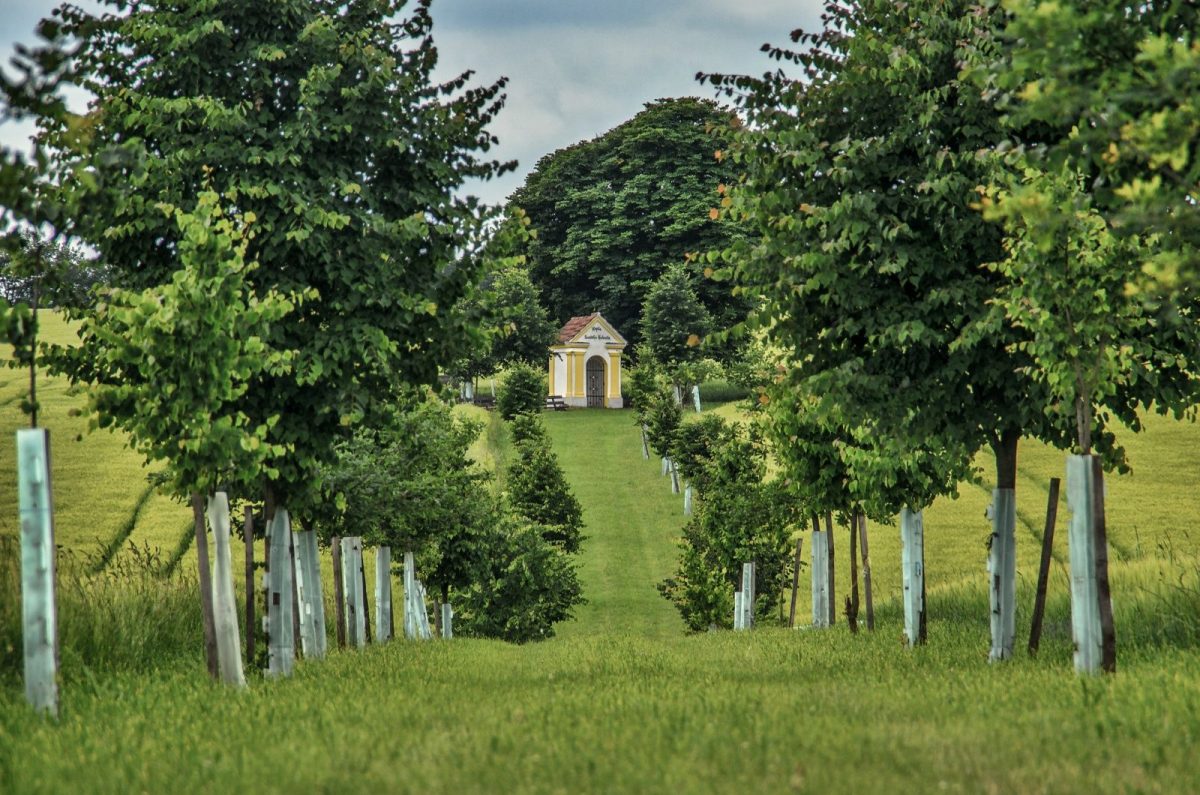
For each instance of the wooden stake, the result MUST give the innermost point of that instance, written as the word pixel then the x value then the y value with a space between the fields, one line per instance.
pixel 339 592
pixel 866 570
pixel 1039 602
pixel 366 614
pixel 248 539
pixel 795 583
pixel 206 604
pixel 296 639
pixel 852 612
pixel 832 568
pixel 1108 633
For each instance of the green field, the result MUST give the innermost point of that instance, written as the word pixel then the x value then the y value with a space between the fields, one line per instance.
pixel 623 700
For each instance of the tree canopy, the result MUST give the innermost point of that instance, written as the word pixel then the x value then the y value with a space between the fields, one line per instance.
pixel 320 125
pixel 615 212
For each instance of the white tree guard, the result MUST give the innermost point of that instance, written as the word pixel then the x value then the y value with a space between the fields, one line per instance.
pixel 1085 593
pixel 819 570
pixel 739 611
pixel 748 595
pixel 1002 572
pixel 39 617
pixel 447 620
pixel 666 466
pixel 645 444
pixel 423 627
pixel 352 584
pixel 308 591
pixel 281 644
pixel 225 620
pixel 412 622
pixel 696 398
pixel 674 476
pixel 383 593
pixel 912 561
pixel 687 500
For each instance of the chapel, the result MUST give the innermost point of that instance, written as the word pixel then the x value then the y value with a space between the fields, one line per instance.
pixel 585 365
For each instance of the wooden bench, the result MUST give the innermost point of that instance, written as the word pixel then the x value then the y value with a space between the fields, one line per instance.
pixel 556 403
pixel 485 401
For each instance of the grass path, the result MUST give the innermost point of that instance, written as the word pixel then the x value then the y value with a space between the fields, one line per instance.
pixel 631 518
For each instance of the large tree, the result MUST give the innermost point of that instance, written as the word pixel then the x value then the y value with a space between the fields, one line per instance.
pixel 868 261
pixel 615 212
pixel 319 123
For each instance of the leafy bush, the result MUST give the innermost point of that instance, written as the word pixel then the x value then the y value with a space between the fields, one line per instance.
pixel 413 486
pixel 528 428
pixel 739 517
pixel 524 392
pixel 539 492
pixel 529 586
pixel 663 417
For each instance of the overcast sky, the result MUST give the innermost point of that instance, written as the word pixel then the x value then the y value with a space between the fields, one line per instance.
pixel 576 68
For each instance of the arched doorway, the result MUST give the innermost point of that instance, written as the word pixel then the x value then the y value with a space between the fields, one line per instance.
pixel 595 382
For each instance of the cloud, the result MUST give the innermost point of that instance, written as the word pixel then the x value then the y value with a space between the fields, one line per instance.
pixel 576 68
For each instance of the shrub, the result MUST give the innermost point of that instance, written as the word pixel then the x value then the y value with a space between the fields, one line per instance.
pixel 740 517
pixel 529 586
pixel 539 492
pixel 524 392
pixel 528 428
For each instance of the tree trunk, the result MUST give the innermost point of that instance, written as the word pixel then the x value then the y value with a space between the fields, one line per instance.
pixel 1108 633
pixel 866 569
pixel 206 603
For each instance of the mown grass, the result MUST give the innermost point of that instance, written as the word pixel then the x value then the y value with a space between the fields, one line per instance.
pixel 623 700
pixel 769 711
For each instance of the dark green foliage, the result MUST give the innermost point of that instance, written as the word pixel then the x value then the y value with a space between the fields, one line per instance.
pixel 539 492
pixel 528 428
pixel 506 306
pixel 412 486
pixel 695 447
pixel 639 384
pixel 615 212
pixel 739 517
pixel 322 125
pixel 663 416
pixel 868 262
pixel 523 392
pixel 528 585
pixel 523 331
pixel 674 322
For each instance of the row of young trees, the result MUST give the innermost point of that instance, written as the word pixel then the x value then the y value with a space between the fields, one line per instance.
pixel 965 226
pixel 275 193
pixel 501 557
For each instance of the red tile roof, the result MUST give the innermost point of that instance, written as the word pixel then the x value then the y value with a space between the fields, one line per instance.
pixel 575 325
